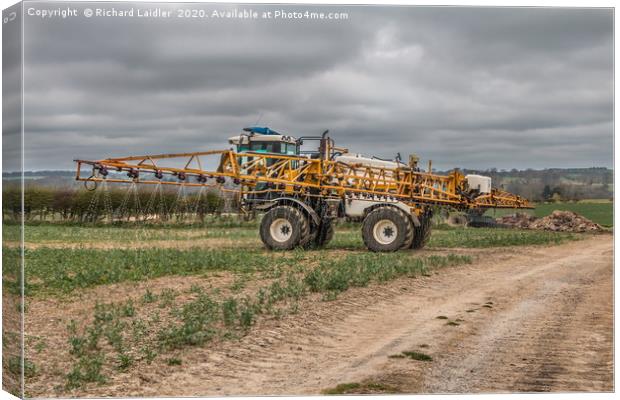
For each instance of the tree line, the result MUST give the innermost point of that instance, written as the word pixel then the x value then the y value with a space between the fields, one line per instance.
pixel 554 184
pixel 114 204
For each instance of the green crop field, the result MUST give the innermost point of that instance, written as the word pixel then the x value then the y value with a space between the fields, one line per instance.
pixel 600 212
pixel 103 255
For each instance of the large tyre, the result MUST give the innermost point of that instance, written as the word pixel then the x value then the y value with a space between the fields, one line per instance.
pixel 387 229
pixel 422 233
pixel 323 235
pixel 328 235
pixel 284 228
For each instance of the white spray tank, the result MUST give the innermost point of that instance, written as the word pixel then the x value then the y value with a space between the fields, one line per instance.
pixel 479 182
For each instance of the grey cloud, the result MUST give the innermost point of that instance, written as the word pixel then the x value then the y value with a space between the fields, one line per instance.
pixel 469 87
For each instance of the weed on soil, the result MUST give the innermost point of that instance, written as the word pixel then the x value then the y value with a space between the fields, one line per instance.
pixel 416 355
pixel 361 388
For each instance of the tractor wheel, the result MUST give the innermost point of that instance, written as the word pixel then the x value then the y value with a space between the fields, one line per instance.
pixel 422 233
pixel 387 229
pixel 323 235
pixel 328 235
pixel 284 228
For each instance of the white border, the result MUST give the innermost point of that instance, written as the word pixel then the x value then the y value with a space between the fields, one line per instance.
pixel 479 3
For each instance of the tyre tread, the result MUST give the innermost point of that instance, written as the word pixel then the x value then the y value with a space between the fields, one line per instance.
pixel 386 212
pixel 422 233
pixel 296 218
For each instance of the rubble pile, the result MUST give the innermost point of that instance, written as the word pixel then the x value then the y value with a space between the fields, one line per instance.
pixel 557 221
pixel 565 221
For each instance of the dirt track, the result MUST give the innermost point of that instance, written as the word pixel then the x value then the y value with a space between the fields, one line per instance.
pixel 530 319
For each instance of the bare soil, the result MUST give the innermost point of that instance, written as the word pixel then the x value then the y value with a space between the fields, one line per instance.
pixel 524 319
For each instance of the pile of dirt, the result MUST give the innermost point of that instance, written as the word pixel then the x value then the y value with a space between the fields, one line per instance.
pixel 566 221
pixel 557 221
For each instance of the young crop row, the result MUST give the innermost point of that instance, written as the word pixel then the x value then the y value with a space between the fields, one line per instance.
pixel 137 332
pixel 213 227
pixel 62 270
pixel 237 230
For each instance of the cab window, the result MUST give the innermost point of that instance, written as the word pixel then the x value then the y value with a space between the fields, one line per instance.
pixel 265 147
pixel 291 149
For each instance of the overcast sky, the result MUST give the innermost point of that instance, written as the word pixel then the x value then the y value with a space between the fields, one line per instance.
pixel 467 87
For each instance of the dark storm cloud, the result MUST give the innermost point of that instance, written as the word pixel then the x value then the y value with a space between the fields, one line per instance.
pixel 469 87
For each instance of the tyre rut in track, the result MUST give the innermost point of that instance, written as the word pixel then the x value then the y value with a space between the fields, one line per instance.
pixel 556 336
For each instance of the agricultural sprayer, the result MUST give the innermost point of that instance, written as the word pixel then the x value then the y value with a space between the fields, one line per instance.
pixel 301 193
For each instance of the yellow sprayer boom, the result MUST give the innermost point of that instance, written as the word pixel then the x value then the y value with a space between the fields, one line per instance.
pixel 303 194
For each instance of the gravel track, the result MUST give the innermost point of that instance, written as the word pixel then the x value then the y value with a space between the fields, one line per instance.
pixel 529 319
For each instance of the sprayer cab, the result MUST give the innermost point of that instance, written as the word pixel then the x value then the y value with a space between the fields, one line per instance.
pixel 266 141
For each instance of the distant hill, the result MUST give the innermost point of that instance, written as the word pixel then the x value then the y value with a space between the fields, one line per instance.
pixel 59 179
pixel 38 174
